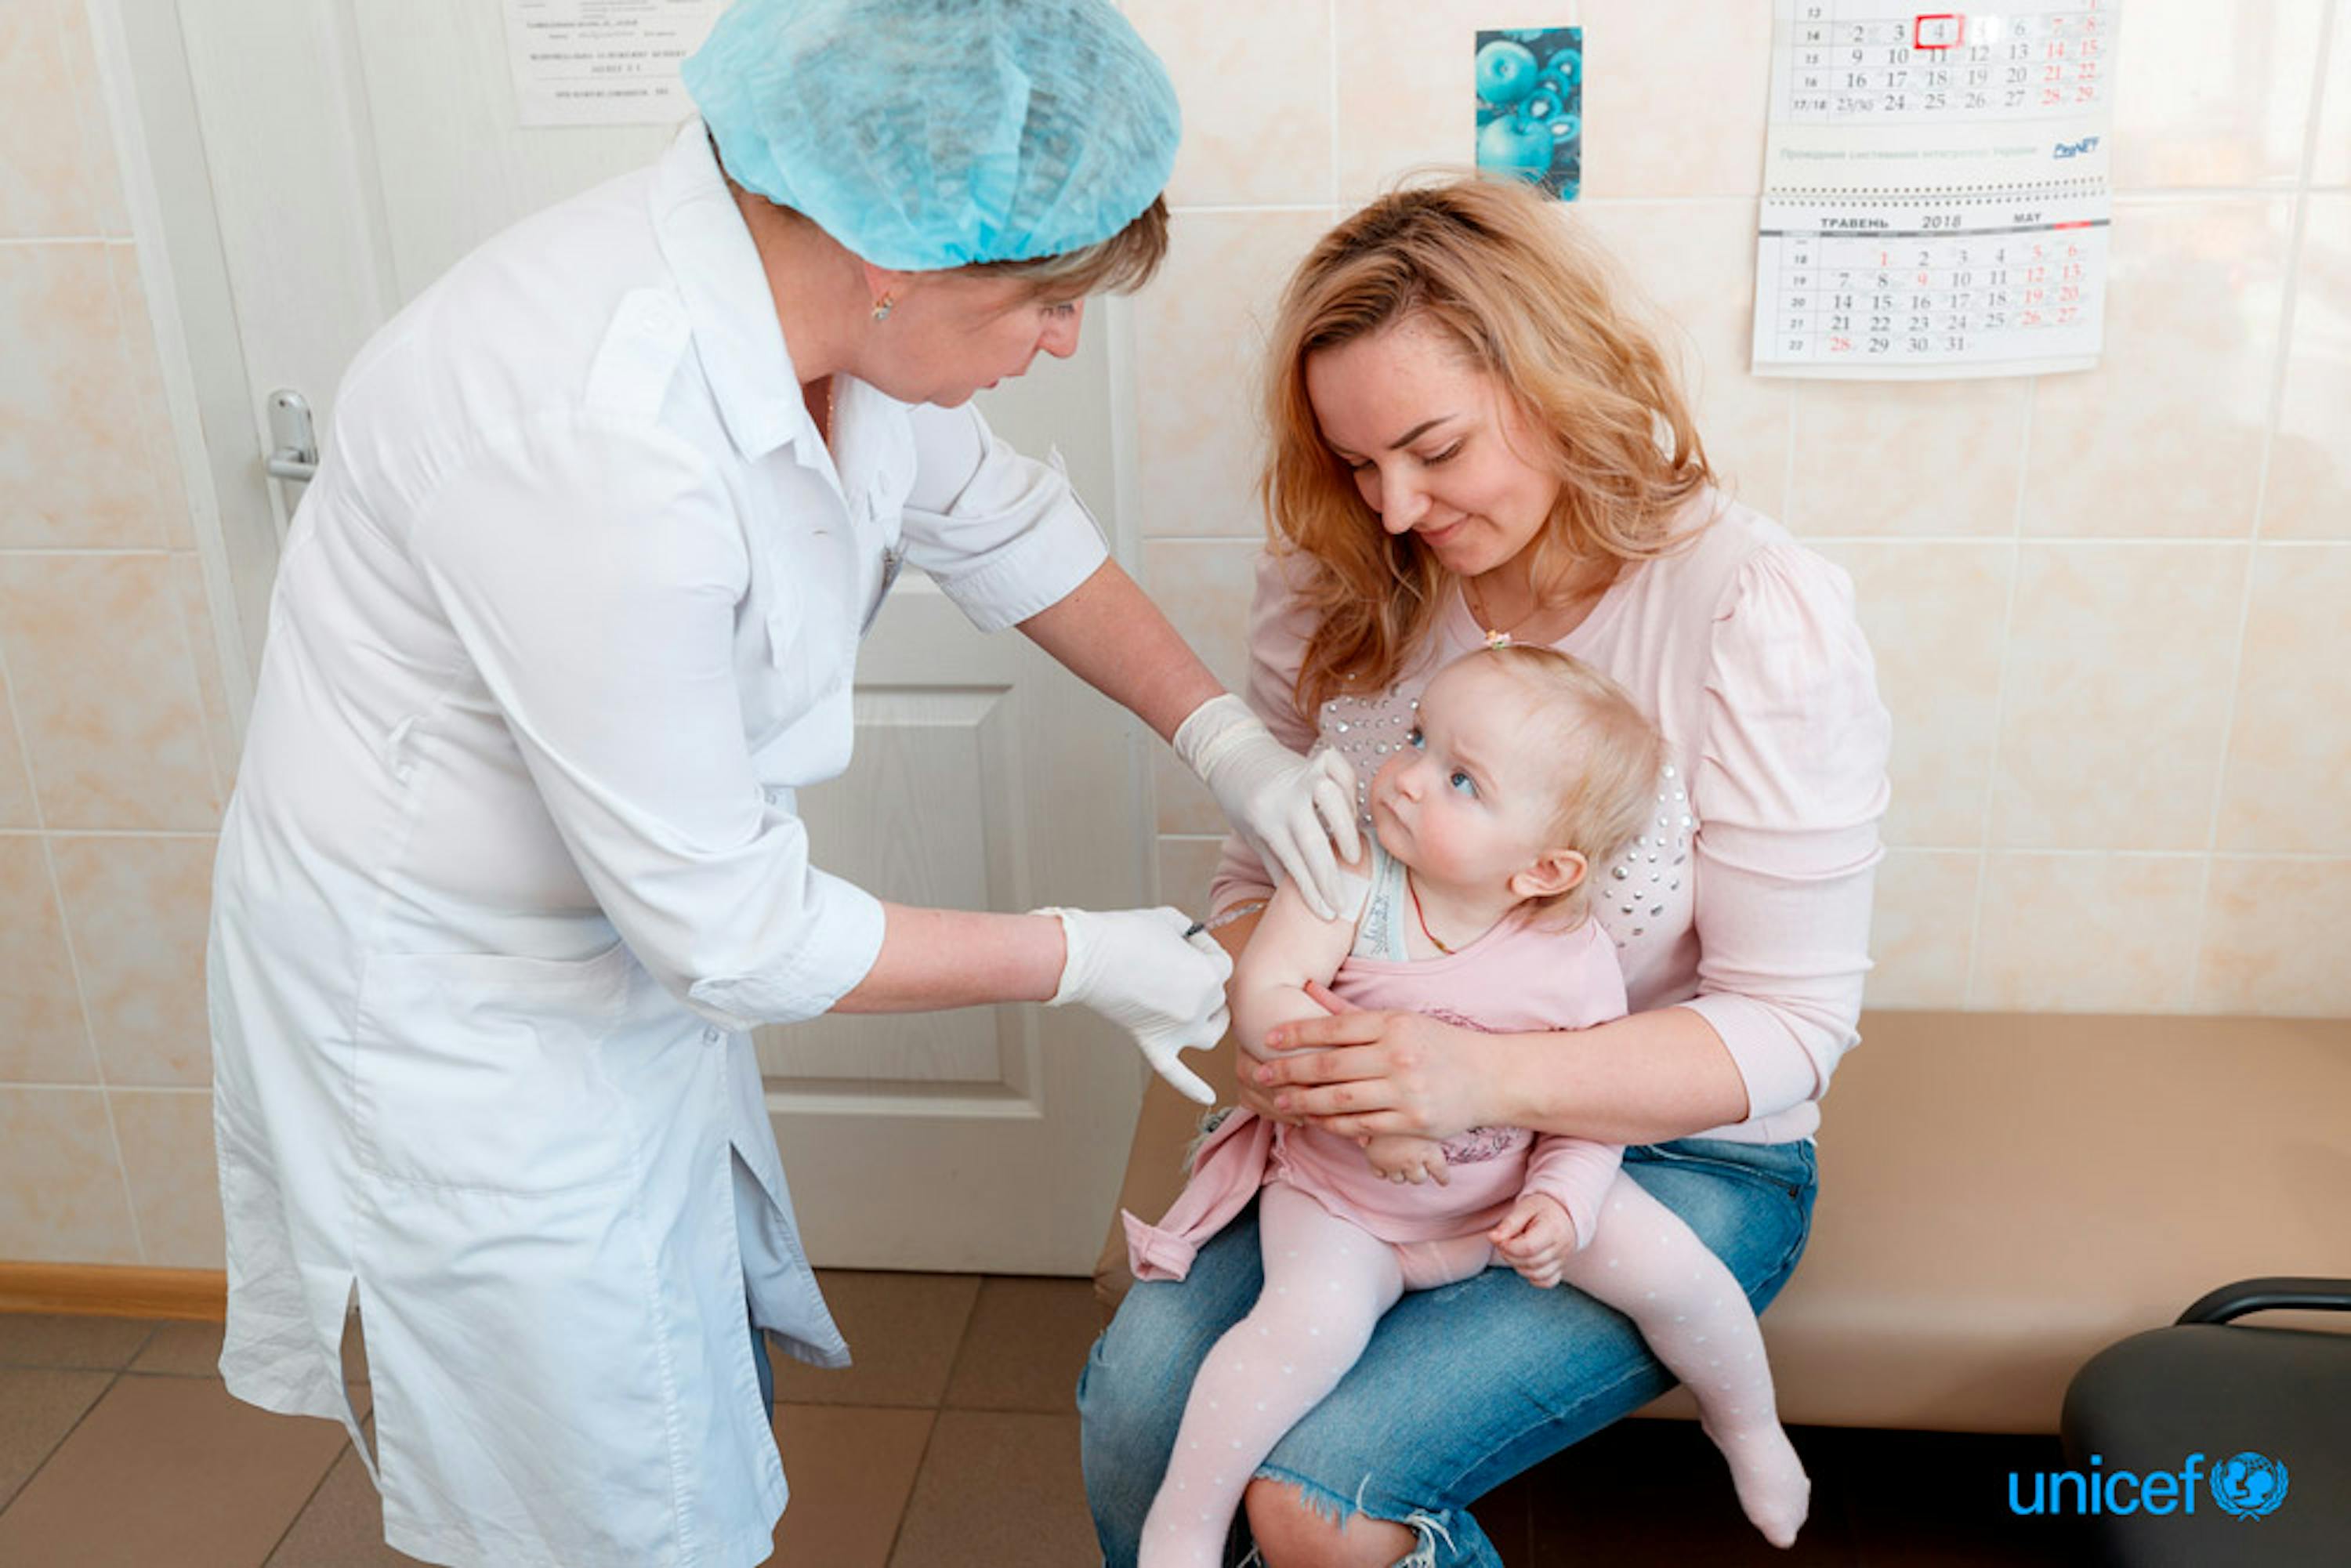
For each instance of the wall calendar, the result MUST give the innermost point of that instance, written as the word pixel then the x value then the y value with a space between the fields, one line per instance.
pixel 1936 197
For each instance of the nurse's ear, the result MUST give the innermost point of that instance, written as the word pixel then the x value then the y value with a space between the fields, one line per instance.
pixel 885 288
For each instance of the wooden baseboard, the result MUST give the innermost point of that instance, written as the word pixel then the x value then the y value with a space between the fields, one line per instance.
pixel 108 1291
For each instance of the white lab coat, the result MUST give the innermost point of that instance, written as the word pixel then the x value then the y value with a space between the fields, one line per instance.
pixel 512 867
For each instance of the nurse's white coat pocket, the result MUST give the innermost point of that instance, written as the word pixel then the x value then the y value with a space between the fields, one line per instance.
pixel 485 1072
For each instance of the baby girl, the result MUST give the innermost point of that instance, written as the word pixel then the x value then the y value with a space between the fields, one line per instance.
pixel 1526 770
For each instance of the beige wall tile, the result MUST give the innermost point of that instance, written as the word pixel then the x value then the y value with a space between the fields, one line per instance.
pixel 1934 615
pixel 1407 94
pixel 74 458
pixel 17 808
pixel 2290 747
pixel 1200 347
pixel 2274 938
pixel 1676 99
pixel 1203 587
pixel 47 183
pixel 61 1197
pixel 96 128
pixel 2116 695
pixel 1920 927
pixel 1186 865
pixel 2086 933
pixel 104 688
pixel 2309 494
pixel 2206 98
pixel 149 406
pixel 2164 438
pixel 1255 84
pixel 137 909
pixel 1669 110
pixel 167 1150
pixel 1695 261
pixel 42 1037
pixel 1908 457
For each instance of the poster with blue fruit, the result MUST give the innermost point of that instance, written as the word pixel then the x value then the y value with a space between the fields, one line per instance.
pixel 1530 106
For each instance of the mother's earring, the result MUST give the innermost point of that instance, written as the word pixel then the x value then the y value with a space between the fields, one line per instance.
pixel 882 307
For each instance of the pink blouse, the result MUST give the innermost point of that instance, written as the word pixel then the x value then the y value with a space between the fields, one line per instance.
pixel 1747 898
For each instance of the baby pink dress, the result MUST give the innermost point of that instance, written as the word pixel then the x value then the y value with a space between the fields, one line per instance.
pixel 1518 977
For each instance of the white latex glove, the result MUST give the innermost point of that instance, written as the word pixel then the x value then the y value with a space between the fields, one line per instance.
pixel 1290 808
pixel 1139 969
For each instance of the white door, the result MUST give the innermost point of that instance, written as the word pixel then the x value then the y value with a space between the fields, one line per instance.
pixel 354 150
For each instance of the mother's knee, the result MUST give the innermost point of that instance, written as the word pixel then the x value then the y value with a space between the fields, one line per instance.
pixel 1291 1533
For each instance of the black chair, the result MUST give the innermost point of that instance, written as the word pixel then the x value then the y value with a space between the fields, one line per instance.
pixel 2250 1425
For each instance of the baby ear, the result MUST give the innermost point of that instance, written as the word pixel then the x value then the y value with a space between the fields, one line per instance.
pixel 1557 872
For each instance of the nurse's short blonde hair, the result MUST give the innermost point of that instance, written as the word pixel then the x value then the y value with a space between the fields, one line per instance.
pixel 1119 265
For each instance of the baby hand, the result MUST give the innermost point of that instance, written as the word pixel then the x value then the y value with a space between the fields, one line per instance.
pixel 1536 1238
pixel 1402 1158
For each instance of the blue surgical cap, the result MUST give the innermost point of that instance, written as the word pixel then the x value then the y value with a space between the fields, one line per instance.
pixel 930 133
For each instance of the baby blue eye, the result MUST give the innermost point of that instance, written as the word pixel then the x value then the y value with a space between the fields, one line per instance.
pixel 1416 739
pixel 1463 782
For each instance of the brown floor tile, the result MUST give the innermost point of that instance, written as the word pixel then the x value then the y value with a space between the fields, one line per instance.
pixel 38 1406
pixel 997 1490
pixel 168 1470
pixel 903 1330
pixel 341 1526
pixel 1027 1343
pixel 181 1350
pixel 355 1367
pixel 851 1470
pixel 39 1339
pixel 192 1350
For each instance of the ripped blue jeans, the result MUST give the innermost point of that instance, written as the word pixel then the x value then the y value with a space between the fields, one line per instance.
pixel 1461 1387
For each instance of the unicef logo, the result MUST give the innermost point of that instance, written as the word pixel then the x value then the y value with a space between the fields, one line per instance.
pixel 2249 1485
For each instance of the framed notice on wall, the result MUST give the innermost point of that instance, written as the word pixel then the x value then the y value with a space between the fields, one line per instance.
pixel 603 62
pixel 1936 198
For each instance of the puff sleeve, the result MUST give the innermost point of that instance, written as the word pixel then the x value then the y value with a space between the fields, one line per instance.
pixel 1789 784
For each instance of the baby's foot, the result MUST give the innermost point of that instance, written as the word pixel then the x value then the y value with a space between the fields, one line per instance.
pixel 1773 1489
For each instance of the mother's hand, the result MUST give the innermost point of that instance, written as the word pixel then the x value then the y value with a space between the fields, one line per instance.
pixel 1363 1073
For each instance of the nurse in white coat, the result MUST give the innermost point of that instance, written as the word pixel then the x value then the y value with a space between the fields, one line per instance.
pixel 570 613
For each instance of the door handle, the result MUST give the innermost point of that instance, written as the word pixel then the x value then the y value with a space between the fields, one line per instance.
pixel 294 445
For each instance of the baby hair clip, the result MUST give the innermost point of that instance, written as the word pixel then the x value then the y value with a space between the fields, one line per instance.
pixel 1498 639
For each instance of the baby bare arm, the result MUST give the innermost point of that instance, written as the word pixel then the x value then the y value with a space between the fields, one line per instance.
pixel 1290 947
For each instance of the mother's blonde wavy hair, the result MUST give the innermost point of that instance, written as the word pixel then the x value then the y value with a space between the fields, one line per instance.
pixel 1488 265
